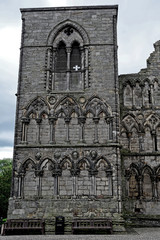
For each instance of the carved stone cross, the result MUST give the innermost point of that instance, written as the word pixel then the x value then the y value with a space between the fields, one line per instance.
pixel 76 67
pixel 68 31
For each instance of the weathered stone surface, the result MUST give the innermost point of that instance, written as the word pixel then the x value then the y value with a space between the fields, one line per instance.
pixel 67 157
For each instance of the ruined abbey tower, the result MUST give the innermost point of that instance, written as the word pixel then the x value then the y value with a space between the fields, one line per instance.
pixel 77 144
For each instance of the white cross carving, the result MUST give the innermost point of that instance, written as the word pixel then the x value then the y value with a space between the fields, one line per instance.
pixel 76 68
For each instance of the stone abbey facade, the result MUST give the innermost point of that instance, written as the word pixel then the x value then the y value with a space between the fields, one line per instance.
pixel 86 142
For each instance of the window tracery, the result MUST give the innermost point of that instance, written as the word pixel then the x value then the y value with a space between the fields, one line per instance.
pixel 67 59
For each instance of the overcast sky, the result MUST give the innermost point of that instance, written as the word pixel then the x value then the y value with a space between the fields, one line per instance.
pixel 138 29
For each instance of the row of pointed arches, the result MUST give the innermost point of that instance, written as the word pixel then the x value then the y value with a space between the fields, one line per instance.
pixel 143 182
pixel 140 132
pixel 50 178
pixel 141 93
pixel 67 121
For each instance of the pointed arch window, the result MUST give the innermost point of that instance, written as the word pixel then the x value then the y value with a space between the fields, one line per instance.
pixel 67 60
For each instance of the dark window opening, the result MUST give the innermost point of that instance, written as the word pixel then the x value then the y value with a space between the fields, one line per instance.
pixel 149 96
pixel 61 62
pixel 75 57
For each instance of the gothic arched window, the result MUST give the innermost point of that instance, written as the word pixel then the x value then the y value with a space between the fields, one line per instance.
pixel 67 59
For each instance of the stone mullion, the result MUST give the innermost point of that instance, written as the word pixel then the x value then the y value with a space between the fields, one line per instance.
pixel 67 121
pixel 68 66
pixel 96 121
pixel 86 68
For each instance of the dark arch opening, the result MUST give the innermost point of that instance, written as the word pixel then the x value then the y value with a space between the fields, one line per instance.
pixel 61 61
pixel 75 57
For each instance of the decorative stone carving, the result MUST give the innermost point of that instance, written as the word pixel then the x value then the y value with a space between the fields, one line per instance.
pixel 52 100
pixel 38 156
pixel 75 155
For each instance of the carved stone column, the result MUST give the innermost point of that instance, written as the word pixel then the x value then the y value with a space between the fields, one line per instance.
pixel 141 142
pixel 49 76
pixel 109 121
pixel 25 122
pixel 74 173
pixel 38 120
pixel 56 173
pixel 110 185
pixel 154 187
pixel 53 68
pixel 96 121
pixel 140 187
pixel 21 185
pixel 86 67
pixel 154 139
pixel 81 121
pixel 133 97
pixel 52 121
pixel 67 121
pixel 143 101
pixel 82 67
pixel 39 175
pixel 152 94
pixel 129 135
pixel 68 49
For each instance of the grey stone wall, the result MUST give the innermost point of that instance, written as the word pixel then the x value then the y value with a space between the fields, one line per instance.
pixel 139 103
pixel 66 153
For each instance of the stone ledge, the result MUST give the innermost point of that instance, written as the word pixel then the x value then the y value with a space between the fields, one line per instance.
pixel 67 145
pixel 76 8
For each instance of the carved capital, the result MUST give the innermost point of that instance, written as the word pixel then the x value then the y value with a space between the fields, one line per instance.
pixel 67 120
pixel 93 172
pixel 38 120
pixel 108 119
pixel 96 120
pixel 56 172
pixel 108 172
pixel 38 173
pixel 81 119
pixel 52 119
pixel 75 172
pixel 25 120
